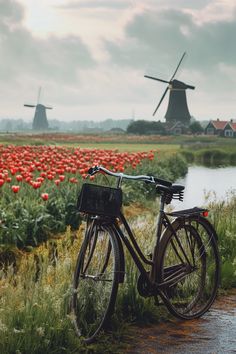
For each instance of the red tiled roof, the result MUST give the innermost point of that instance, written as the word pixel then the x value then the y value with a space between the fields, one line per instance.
pixel 219 124
pixel 233 126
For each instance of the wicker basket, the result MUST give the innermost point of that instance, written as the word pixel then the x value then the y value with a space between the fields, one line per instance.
pixel 99 200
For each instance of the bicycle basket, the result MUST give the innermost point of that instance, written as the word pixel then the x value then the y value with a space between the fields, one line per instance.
pixel 99 200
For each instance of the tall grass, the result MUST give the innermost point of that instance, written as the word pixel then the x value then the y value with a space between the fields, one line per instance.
pixel 211 156
pixel 34 298
pixel 223 216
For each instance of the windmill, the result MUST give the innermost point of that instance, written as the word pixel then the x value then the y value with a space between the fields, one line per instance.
pixel 40 121
pixel 177 110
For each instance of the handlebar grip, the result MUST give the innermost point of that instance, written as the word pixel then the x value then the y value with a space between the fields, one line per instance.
pixel 93 170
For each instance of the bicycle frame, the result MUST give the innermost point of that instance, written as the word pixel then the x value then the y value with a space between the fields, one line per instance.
pixel 137 255
pixel 151 279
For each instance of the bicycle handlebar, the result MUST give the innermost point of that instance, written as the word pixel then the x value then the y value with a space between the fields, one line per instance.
pixel 148 179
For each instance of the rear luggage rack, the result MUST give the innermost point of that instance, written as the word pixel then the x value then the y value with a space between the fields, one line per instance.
pixel 187 212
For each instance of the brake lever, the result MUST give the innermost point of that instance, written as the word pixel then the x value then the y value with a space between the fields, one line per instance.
pixel 92 171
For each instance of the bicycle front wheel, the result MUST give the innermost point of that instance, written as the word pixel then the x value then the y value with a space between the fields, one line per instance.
pixel 189 269
pixel 95 281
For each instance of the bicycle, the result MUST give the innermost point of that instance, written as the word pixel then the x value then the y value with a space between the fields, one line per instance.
pixel 183 270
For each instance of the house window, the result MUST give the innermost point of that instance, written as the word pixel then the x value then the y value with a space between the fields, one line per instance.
pixel 229 132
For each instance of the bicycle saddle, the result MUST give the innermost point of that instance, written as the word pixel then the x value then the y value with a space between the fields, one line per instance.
pixel 175 188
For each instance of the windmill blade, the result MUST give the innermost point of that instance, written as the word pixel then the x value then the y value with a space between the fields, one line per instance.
pixel 39 94
pixel 190 87
pixel 162 98
pixel 48 107
pixel 29 105
pixel 155 78
pixel 178 66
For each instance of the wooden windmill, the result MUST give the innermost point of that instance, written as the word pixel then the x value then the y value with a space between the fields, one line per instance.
pixel 177 110
pixel 40 121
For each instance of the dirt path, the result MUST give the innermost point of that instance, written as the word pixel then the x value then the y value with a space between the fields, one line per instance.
pixel 213 333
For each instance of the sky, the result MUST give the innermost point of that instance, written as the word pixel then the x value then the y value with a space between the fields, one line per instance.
pixel 90 57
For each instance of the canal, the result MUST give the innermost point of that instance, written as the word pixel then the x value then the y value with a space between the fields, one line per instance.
pixel 203 184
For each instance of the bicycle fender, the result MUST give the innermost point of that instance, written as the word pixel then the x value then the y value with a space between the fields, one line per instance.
pixel 121 254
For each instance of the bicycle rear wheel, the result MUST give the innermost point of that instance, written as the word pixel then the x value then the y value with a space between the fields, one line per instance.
pixel 189 269
pixel 95 282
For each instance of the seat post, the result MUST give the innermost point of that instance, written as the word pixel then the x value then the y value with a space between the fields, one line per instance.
pixel 160 217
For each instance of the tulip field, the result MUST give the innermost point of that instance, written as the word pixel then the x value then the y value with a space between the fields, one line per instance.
pixel 36 165
pixel 39 186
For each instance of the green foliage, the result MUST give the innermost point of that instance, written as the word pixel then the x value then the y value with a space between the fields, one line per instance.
pixel 27 220
pixel 212 157
pixel 223 216
pixel 170 168
pixel 196 128
pixel 188 155
pixel 209 156
pixel 143 127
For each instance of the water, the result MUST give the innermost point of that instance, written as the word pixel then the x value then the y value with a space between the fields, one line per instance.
pixel 200 181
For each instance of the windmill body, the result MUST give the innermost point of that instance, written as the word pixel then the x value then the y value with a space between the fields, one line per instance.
pixel 40 121
pixel 177 110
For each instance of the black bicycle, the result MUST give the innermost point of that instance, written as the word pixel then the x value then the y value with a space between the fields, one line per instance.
pixel 182 271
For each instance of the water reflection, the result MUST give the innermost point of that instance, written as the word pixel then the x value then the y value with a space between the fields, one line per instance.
pixel 200 181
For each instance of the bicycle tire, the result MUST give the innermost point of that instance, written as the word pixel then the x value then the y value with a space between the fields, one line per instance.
pixel 190 287
pixel 96 280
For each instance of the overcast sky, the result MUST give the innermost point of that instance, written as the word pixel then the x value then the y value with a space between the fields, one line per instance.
pixel 90 57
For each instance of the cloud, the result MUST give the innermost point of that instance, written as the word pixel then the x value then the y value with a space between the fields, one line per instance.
pixel 95 4
pixel 11 11
pixel 157 39
pixel 54 58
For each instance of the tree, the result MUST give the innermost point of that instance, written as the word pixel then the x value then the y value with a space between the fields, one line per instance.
pixel 196 128
pixel 143 127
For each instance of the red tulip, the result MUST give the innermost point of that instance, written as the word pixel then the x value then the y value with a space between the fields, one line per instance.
pixel 15 189
pixel 57 182
pixel 44 196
